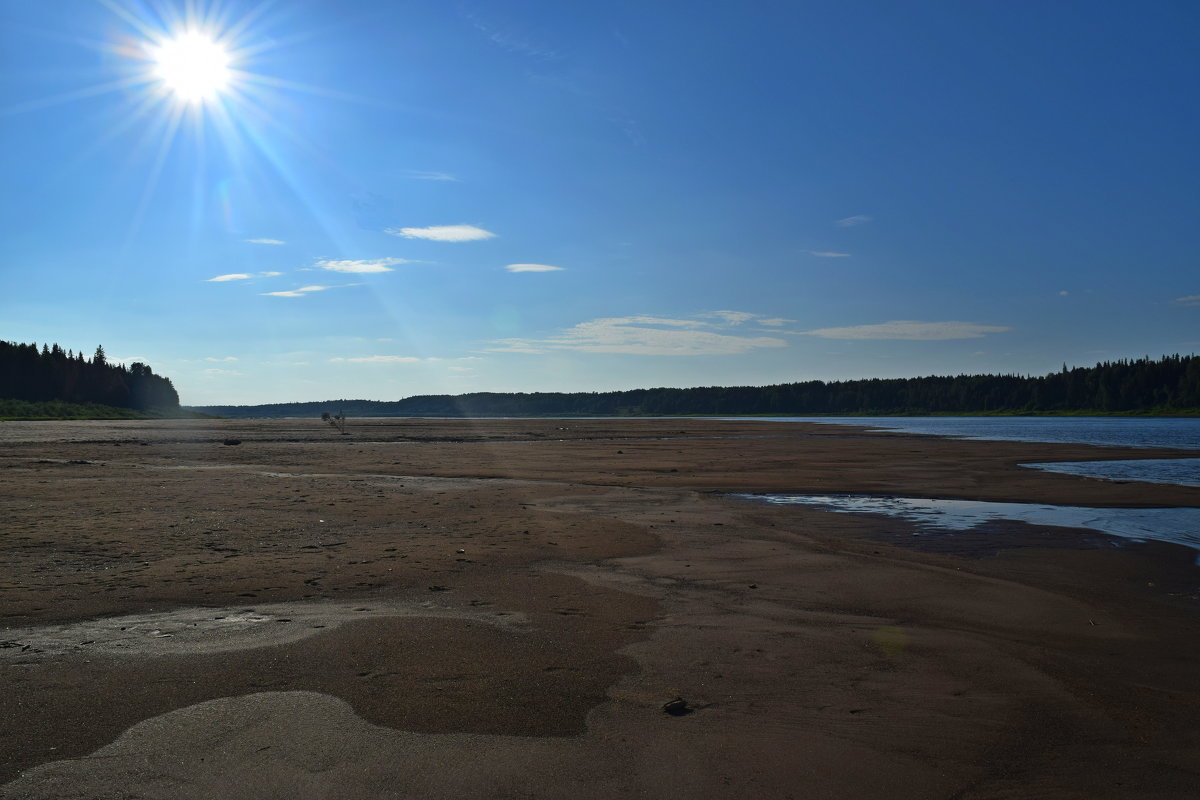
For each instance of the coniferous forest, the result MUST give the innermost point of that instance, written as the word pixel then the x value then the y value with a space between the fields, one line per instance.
pixel 54 382
pixel 1168 385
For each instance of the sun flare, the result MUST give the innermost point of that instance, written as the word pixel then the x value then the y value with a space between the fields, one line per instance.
pixel 192 66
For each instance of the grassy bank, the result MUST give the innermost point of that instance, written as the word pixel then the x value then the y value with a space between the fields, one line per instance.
pixel 60 410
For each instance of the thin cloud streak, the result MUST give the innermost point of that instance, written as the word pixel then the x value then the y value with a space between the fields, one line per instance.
pixel 242 276
pixel 303 290
pixel 643 320
pixel 827 254
pixel 361 266
pixel 850 222
pixel 443 233
pixel 382 359
pixel 266 241
pixel 733 317
pixel 513 38
pixel 1190 300
pixel 909 330
pixel 533 268
pixel 642 335
pixel 426 175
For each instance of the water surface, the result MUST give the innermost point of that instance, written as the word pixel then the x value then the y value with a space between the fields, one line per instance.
pixel 1175 525
pixel 1179 471
pixel 1173 432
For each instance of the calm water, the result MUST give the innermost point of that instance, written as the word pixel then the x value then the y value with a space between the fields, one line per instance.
pixel 1183 433
pixel 1177 525
pixel 1113 431
pixel 1180 471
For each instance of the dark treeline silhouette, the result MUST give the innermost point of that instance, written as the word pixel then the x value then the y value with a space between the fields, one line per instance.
pixel 54 374
pixel 1167 385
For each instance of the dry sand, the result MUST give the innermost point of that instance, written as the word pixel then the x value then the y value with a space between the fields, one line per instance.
pixel 501 608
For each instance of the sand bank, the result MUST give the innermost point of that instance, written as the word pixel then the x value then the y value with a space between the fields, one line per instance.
pixel 501 608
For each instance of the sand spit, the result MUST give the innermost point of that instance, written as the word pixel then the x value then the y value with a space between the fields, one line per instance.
pixel 534 597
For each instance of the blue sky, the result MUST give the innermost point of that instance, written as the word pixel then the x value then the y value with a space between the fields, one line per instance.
pixel 398 198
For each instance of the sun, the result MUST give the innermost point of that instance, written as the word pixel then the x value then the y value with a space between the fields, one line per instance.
pixel 193 66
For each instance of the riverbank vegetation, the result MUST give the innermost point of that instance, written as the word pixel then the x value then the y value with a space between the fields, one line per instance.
pixel 1168 386
pixel 52 383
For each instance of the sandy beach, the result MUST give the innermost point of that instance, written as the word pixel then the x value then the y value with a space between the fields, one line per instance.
pixel 502 608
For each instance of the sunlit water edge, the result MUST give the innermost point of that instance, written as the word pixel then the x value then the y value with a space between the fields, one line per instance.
pixel 1181 433
pixel 1174 525
pixel 1174 471
pixel 1160 432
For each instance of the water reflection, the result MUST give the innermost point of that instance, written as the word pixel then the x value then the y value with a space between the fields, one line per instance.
pixel 1174 432
pixel 1176 525
pixel 1179 471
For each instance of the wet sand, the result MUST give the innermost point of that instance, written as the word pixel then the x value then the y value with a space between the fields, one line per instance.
pixel 501 608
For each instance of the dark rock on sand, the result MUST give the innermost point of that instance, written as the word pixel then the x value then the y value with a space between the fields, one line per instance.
pixel 677 707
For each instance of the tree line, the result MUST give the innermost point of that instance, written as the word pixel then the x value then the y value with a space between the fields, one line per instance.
pixel 51 374
pixel 1168 385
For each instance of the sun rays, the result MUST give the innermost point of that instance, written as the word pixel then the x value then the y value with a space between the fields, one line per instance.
pixel 186 82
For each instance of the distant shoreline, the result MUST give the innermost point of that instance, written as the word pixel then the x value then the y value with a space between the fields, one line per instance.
pixel 1188 413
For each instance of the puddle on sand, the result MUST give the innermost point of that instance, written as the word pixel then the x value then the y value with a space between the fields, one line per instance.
pixel 1175 525
pixel 185 631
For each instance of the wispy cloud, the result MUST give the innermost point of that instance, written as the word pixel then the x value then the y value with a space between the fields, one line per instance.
pixel 128 359
pixel 1190 300
pixel 242 276
pixel 427 175
pixel 850 222
pixel 463 368
pixel 732 317
pixel 443 233
pixel 514 38
pixel 774 322
pixel 303 290
pixel 514 346
pixel 382 359
pixel 215 371
pixel 266 241
pixel 533 268
pixel 644 320
pixel 642 335
pixel 226 358
pixel 363 266
pixel 911 330
pixel 827 254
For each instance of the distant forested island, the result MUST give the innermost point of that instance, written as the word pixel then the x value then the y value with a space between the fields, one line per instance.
pixel 1167 386
pixel 52 383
